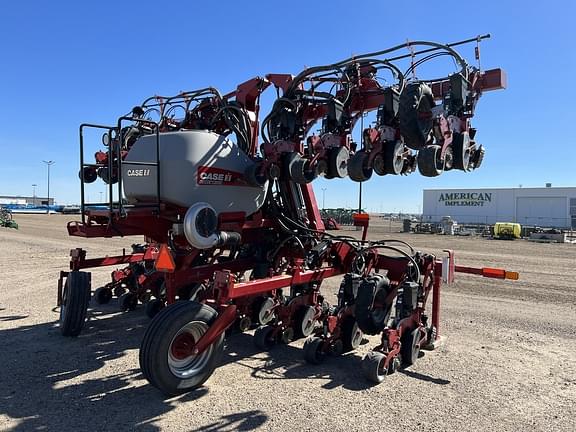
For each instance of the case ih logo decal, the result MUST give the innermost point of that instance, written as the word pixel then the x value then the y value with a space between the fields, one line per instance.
pixel 219 176
pixel 138 172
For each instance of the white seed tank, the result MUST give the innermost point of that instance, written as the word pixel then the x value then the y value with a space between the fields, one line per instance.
pixel 195 166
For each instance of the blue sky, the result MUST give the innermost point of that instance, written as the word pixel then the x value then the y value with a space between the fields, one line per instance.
pixel 64 64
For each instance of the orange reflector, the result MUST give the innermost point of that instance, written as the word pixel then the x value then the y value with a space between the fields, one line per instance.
pixel 494 273
pixel 164 261
pixel 512 275
pixel 360 216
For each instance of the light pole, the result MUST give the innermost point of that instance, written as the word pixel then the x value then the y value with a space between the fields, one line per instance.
pixel 48 164
pixel 101 196
pixel 323 198
pixel 34 194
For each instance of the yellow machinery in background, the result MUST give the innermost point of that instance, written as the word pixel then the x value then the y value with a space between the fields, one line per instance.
pixel 507 230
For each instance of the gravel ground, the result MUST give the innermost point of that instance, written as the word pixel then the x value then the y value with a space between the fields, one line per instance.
pixel 509 362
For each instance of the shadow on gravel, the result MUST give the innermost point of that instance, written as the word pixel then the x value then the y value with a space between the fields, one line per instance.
pixel 47 381
pixel 245 421
pixel 423 377
pixel 13 317
pixel 287 362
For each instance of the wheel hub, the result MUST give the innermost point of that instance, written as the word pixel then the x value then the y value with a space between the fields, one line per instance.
pixel 183 346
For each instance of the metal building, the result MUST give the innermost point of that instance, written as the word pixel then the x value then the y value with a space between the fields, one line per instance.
pixel 25 200
pixel 544 207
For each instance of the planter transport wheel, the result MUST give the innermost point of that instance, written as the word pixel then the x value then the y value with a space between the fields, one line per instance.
pixel 75 299
pixel 430 163
pixel 313 350
pixel 102 295
pixel 167 359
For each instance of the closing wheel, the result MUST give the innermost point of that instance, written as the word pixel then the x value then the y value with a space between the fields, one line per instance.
pixel 104 174
pixel 410 348
pixel 304 321
pixel 128 301
pixel 430 163
pixel 351 334
pixel 167 356
pixel 415 114
pixel 264 337
pixel 75 299
pixel 266 311
pixel 89 174
pixel 301 172
pixel 314 350
pixel 461 151
pixel 373 366
pixel 393 157
pixel 338 162
pixel 358 167
pixel 153 307
pixel 103 295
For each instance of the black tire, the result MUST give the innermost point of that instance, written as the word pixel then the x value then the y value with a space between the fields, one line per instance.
pixel 351 334
pixel 415 114
pixel 153 307
pixel 264 337
pixel 373 366
pixel 410 349
pixel 300 171
pixel 157 361
pixel 314 350
pixel 393 157
pixel 430 163
pixel 128 301
pixel 358 169
pixel 89 173
pixel 75 299
pixel 102 295
pixel 304 321
pixel 338 162
pixel 462 151
pixel 372 290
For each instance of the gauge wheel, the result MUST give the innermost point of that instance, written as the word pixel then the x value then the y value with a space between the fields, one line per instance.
pixel 103 295
pixel 430 163
pixel 358 167
pixel 314 350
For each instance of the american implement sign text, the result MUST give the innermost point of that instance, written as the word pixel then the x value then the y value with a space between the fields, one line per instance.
pixel 470 199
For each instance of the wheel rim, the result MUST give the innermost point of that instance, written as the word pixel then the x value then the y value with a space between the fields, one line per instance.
pixel 356 336
pixel 181 360
pixel 308 321
pixel 266 313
